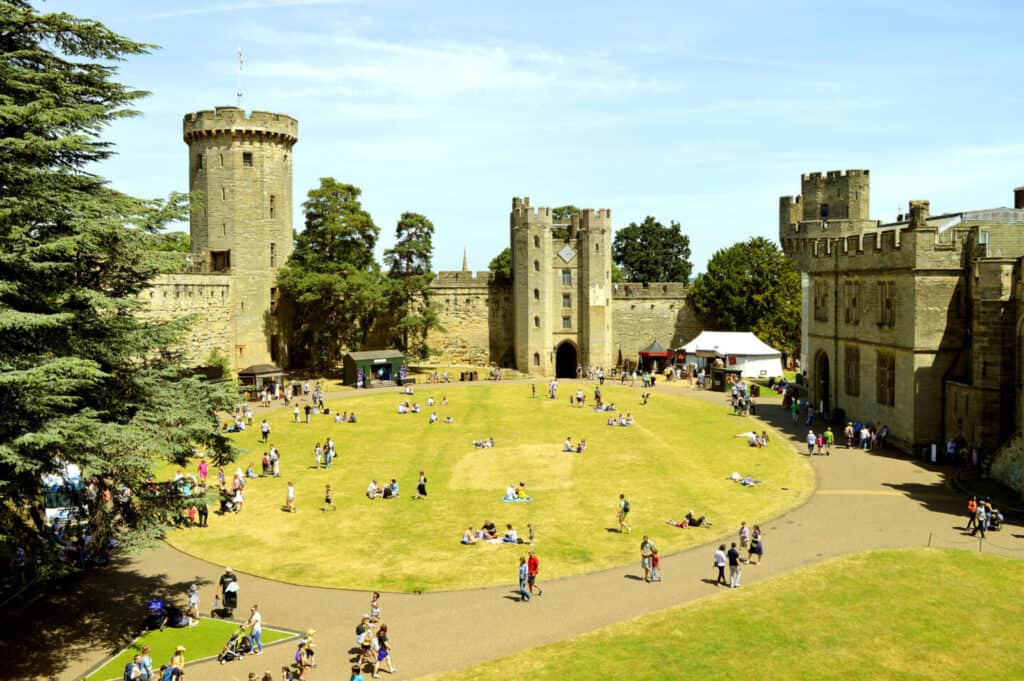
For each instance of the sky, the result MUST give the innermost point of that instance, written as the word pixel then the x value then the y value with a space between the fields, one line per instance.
pixel 702 113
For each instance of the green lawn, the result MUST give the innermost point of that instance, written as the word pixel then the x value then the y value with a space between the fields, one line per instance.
pixel 925 614
pixel 203 640
pixel 677 457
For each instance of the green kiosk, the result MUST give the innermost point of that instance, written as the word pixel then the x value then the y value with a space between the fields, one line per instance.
pixel 369 368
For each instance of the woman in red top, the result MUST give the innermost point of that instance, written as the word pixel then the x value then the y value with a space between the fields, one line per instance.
pixel 972 510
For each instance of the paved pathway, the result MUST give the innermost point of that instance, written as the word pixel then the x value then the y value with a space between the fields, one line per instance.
pixel 863 501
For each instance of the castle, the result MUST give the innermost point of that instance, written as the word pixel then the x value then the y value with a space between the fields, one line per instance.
pixel 559 310
pixel 915 323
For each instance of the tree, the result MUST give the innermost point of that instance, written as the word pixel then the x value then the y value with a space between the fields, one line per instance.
pixel 501 264
pixel 751 286
pixel 410 274
pixel 651 251
pixel 332 283
pixel 562 214
pixel 85 382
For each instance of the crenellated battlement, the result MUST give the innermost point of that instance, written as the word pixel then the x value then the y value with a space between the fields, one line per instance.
pixel 231 120
pixel 650 290
pixel 459 279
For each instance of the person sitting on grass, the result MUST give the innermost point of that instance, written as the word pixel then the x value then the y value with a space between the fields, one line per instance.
pixel 581 447
pixel 488 530
pixel 521 493
pixel 390 491
pixel 510 535
pixel 449 420
pixel 433 418
pixel 250 472
pixel 484 444
pixel 470 537
pixel 372 491
pixel 510 493
pixel 567 445
pixel 403 407
pixel 415 407
pixel 352 417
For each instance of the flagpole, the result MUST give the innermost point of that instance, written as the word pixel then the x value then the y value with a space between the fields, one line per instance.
pixel 238 92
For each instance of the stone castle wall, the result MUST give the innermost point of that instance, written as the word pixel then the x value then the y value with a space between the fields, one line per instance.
pixel 642 313
pixel 207 297
pixel 475 312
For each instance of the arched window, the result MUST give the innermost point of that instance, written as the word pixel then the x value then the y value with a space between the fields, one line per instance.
pixel 536 241
pixel 536 359
pixel 536 265
pixel 536 294
pixel 536 322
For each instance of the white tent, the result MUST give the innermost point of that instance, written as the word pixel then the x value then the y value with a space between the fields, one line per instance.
pixel 739 350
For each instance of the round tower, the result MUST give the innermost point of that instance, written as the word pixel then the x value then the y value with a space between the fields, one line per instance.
pixel 240 168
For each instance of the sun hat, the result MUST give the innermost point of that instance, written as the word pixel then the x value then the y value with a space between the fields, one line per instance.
pixel 180 649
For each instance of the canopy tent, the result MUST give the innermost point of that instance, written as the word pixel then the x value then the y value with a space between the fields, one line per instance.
pixel 362 368
pixel 653 356
pixel 740 351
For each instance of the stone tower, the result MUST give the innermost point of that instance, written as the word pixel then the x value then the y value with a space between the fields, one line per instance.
pixel 240 165
pixel 561 290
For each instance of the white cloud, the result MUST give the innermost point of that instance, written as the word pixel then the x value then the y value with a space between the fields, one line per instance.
pixel 241 5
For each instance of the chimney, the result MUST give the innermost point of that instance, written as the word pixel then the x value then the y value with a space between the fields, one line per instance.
pixel 1018 198
pixel 918 214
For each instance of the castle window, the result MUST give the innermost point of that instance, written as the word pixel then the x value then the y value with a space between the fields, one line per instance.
pixel 247 159
pixel 223 229
pixel 821 301
pixel 272 206
pixel 536 322
pixel 886 378
pixel 566 322
pixel 536 242
pixel 536 359
pixel 273 254
pixel 223 193
pixel 887 303
pixel 220 261
pixel 222 160
pixel 199 161
pixel 983 243
pixel 566 277
pixel 536 294
pixel 273 299
pixel 851 298
pixel 597 248
pixel 536 265
pixel 566 300
pixel 851 364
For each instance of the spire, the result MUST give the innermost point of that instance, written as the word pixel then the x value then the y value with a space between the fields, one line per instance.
pixel 465 261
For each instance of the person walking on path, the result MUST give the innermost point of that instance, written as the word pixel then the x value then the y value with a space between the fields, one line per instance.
pixel 255 624
pixel 524 573
pixel 744 536
pixel 980 520
pixel 177 663
pixel 646 552
pixel 734 566
pixel 830 438
pixel 623 513
pixel 972 510
pixel 655 566
pixel 532 566
pixel 265 430
pixel 720 564
pixel 756 546
pixel 812 441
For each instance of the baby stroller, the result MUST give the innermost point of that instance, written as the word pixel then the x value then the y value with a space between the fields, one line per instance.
pixel 235 648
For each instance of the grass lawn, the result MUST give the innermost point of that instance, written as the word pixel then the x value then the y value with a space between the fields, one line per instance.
pixel 911 614
pixel 677 457
pixel 203 640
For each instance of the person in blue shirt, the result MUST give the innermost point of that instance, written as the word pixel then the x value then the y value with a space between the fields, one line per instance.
pixel 524 572
pixel 356 676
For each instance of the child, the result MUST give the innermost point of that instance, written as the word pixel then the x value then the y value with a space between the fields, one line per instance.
pixel 375 607
pixel 328 503
pixel 290 498
pixel 529 528
pixel 655 562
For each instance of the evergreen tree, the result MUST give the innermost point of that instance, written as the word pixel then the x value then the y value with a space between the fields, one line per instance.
pixel 751 286
pixel 84 381
pixel 331 282
pixel 501 264
pixel 650 251
pixel 410 274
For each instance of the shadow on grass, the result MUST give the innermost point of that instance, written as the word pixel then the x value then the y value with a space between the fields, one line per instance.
pixel 101 610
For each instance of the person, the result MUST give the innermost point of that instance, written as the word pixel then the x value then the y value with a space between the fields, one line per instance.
pixel 133 670
pixel 265 430
pixel 383 648
pixel 193 605
pixel 744 535
pixel 177 664
pixel 972 510
pixel 225 582
pixel 489 530
pixel 146 664
pixel 623 514
pixel 829 440
pixel 581 446
pixel 510 535
pixel 289 502
pixel 524 572
pixel 720 561
pixel 567 445
pixel 421 486
pixel 202 507
pixel 255 624
pixel 372 491
pixel 529 529
pixel 521 492
pixel 655 566
pixel 533 391
pixel 310 653
pixel 980 520
pixel 812 441
pixel 510 493
pixel 734 566
pixel 317 454
pixel 646 550
pixel 390 490
pixel 328 498
pixel 433 418
pixel 356 675
pixel 449 420
pixel 375 607
pixel 533 565
pixel 756 546
pixel 469 537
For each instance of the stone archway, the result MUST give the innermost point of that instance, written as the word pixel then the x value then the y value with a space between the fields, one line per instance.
pixel 822 382
pixel 566 360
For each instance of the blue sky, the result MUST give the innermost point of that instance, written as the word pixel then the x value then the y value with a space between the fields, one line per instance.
pixel 702 113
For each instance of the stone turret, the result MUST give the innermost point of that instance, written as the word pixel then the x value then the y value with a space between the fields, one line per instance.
pixel 241 167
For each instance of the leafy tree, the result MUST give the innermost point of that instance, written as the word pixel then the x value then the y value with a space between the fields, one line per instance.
pixel 409 272
pixel 331 282
pixel 562 214
pixel 751 286
pixel 174 242
pixel 651 251
pixel 85 381
pixel 501 264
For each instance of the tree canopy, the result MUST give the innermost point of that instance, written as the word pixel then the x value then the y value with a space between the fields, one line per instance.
pixel 501 264
pixel 332 283
pixel 650 252
pixel 751 286
pixel 562 214
pixel 409 277
pixel 85 382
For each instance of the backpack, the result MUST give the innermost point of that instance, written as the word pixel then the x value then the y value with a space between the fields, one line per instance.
pixel 129 670
pixel 625 505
